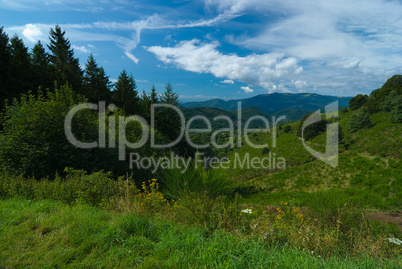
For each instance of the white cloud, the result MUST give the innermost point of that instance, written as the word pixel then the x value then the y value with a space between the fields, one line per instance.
pixel 198 96
pixel 131 57
pixel 32 33
pixel 337 41
pixel 254 69
pixel 55 5
pixel 299 84
pixel 227 81
pixel 81 49
pixel 247 89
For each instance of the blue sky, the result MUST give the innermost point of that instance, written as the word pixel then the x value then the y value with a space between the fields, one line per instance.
pixel 226 49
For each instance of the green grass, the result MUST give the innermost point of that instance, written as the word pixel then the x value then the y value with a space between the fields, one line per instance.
pixel 368 172
pixel 369 181
pixel 201 228
pixel 45 234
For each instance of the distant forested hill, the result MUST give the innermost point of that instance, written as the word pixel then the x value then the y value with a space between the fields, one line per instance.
pixel 294 106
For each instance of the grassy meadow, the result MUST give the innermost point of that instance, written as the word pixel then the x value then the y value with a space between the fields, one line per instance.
pixel 307 215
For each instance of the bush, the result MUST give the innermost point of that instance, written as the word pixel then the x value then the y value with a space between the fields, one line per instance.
pixel 33 141
pixel 312 130
pixel 393 105
pixel 287 129
pixel 265 151
pixel 357 102
pixel 393 84
pixel 343 110
pixel 359 120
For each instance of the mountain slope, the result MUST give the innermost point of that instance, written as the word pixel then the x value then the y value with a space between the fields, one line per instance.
pixel 211 113
pixel 276 103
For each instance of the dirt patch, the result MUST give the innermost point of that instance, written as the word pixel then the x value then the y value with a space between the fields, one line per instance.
pixel 388 217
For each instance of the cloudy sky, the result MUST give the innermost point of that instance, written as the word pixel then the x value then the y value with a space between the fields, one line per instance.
pixel 226 48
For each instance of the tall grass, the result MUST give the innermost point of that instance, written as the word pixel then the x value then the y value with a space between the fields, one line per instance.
pixel 196 179
pixel 46 234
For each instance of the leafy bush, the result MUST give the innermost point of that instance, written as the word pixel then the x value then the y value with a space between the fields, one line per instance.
pixel 378 96
pixel 343 110
pixel 265 151
pixel 393 104
pixel 357 102
pixel 312 130
pixel 359 120
pixel 33 141
pixel 287 129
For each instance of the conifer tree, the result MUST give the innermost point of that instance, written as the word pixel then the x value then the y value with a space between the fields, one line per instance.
pixel 146 102
pixel 96 85
pixel 65 67
pixel 5 71
pixel 21 72
pixel 168 121
pixel 125 95
pixel 42 75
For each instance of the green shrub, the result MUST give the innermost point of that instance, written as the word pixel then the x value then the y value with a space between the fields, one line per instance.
pixel 287 129
pixel 265 151
pixel 359 120
pixel 312 130
pixel 33 141
pixel 378 96
pixel 357 102
pixel 393 105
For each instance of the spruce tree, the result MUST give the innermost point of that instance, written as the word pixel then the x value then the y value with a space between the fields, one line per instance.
pixel 21 72
pixel 153 96
pixel 125 95
pixel 168 120
pixel 96 85
pixel 66 68
pixel 42 74
pixel 5 67
pixel 146 102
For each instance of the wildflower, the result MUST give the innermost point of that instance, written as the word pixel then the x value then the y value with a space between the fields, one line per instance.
pixel 395 241
pixel 247 211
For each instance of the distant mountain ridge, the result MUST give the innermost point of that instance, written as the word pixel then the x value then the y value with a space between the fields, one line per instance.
pixel 293 105
pixel 210 113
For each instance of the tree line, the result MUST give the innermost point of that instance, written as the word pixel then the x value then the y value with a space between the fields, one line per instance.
pixel 23 71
